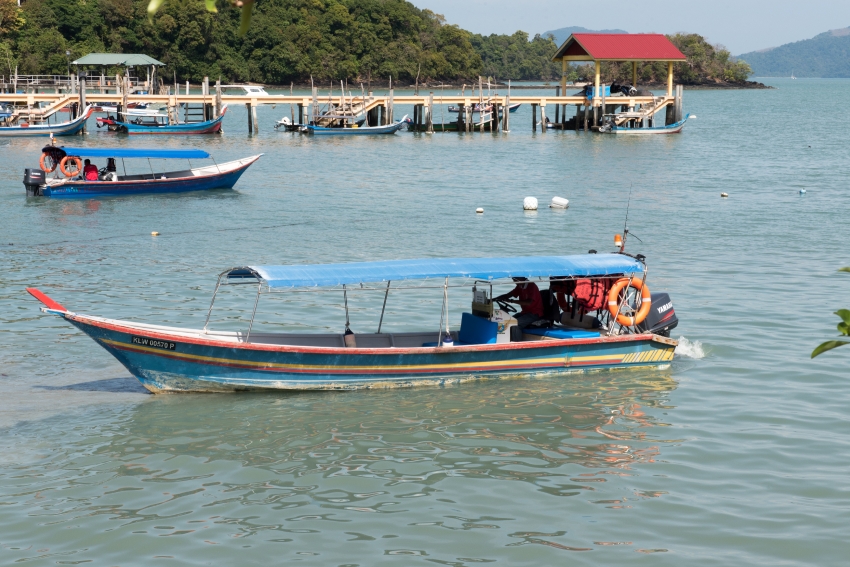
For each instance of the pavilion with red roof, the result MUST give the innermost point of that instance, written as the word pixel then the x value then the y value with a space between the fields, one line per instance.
pixel 634 47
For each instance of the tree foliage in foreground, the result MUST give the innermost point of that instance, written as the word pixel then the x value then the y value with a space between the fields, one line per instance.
pixel 294 40
pixel 843 328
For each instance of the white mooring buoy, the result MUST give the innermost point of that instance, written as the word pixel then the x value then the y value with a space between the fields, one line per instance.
pixel 479 210
pixel 529 204
pixel 802 191
pixel 559 203
pixel 154 233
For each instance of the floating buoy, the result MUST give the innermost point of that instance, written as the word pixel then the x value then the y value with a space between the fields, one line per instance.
pixel 802 191
pixel 529 204
pixel 724 195
pixel 559 203
pixel 154 233
pixel 479 210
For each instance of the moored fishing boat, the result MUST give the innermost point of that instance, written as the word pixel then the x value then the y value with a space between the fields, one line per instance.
pixel 488 343
pixel 157 123
pixel 675 128
pixel 354 130
pixel 69 128
pixel 74 181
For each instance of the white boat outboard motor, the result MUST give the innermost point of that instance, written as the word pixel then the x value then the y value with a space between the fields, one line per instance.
pixel 34 178
pixel 662 317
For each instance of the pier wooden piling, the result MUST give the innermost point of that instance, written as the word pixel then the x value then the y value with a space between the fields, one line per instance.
pixel 557 106
pixel 430 113
pixel 534 117
pixel 543 126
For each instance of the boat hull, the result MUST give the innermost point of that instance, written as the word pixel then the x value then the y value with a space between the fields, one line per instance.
pixel 208 127
pixel 165 361
pixel 62 129
pixel 670 129
pixel 362 131
pixel 77 189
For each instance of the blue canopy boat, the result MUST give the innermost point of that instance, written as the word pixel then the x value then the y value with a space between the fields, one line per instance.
pixel 487 344
pixel 23 129
pixel 110 182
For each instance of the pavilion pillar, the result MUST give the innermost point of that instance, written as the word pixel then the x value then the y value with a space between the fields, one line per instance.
pixel 669 78
pixel 563 74
pixel 596 83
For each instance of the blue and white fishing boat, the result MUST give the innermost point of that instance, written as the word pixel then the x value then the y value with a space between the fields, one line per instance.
pixel 157 123
pixel 487 344
pixel 354 130
pixel 24 129
pixel 70 179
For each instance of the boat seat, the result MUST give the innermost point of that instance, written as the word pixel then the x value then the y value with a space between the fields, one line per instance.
pixel 559 333
pixel 474 330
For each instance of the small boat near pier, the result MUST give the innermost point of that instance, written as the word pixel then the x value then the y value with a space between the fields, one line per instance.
pixel 73 180
pixel 14 125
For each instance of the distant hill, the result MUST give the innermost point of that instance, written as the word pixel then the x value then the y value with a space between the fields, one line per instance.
pixel 562 34
pixel 825 55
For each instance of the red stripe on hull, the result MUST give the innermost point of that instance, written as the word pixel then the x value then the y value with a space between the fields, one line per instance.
pixel 369 370
pixel 342 350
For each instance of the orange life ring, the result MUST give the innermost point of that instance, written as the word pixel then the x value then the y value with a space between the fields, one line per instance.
pixel 43 165
pixel 77 161
pixel 614 301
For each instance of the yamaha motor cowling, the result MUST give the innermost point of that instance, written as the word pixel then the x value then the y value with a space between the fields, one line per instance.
pixel 662 318
pixel 33 180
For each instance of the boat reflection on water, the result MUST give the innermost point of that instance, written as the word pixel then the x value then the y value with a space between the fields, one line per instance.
pixel 507 462
pixel 599 421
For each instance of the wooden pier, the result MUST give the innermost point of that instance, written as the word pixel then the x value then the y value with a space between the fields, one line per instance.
pixel 379 109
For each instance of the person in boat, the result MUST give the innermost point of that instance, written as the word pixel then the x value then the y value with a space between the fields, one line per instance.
pixel 528 298
pixel 89 171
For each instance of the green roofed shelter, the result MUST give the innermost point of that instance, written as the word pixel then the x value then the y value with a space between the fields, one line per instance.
pixel 117 60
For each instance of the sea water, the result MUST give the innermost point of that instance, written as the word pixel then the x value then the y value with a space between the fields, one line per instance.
pixel 735 455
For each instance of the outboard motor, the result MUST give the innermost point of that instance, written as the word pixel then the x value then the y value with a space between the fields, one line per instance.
pixel 662 318
pixel 34 178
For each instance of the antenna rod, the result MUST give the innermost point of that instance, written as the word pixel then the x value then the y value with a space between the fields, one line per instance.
pixel 626 223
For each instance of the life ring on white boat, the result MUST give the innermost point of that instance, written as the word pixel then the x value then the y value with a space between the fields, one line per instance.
pixel 614 301
pixel 47 158
pixel 70 159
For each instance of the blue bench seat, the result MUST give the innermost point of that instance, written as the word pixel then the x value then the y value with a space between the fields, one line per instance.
pixel 561 333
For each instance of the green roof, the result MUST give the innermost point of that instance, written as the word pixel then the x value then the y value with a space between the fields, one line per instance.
pixel 117 59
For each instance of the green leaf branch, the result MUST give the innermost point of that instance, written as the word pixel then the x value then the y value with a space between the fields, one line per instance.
pixel 843 328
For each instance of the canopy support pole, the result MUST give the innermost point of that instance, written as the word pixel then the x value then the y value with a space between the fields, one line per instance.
pixel 444 310
pixel 381 321
pixel 254 314
pixel 345 301
pixel 209 311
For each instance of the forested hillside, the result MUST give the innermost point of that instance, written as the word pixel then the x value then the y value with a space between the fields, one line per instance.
pixel 825 55
pixel 294 40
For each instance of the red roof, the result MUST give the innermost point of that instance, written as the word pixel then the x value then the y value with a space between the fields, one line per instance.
pixel 620 47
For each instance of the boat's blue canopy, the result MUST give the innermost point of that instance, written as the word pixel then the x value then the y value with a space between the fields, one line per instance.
pixel 135 153
pixel 315 275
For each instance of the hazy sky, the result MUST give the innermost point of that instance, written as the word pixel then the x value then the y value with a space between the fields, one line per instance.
pixel 740 25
